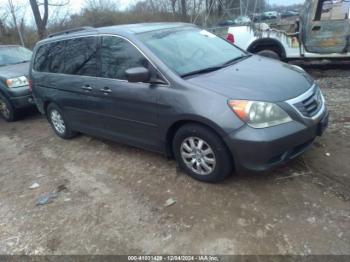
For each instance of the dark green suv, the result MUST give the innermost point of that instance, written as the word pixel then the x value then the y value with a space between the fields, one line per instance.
pixel 14 84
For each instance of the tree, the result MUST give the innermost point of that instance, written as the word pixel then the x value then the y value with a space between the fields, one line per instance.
pixel 13 13
pixel 42 19
pixel 183 9
pixel 173 6
pixel 110 5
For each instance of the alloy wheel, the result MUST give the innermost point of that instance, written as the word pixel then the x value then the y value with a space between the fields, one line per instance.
pixel 198 155
pixel 57 122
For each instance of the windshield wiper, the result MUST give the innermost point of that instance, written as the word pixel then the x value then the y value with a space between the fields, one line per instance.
pixel 232 61
pixel 203 71
pixel 215 68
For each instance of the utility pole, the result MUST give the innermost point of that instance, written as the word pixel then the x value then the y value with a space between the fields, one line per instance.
pixel 12 9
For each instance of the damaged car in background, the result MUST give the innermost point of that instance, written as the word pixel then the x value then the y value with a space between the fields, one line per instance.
pixel 321 32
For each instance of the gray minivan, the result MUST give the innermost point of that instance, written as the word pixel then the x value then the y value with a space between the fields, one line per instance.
pixel 179 90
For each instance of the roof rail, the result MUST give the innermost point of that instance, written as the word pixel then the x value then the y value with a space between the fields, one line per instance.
pixel 72 30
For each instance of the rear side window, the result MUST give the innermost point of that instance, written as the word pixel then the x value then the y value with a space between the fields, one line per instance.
pixel 118 55
pixel 332 10
pixel 50 58
pixel 76 56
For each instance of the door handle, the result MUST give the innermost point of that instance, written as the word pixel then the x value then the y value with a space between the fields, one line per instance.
pixel 87 88
pixel 316 28
pixel 106 90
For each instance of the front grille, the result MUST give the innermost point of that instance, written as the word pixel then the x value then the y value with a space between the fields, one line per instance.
pixel 311 104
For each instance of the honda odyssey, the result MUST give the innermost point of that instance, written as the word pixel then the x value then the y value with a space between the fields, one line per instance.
pixel 179 90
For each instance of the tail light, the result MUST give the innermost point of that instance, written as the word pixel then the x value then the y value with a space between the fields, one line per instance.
pixel 30 85
pixel 231 38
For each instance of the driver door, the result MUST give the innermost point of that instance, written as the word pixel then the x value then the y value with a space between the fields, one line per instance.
pixel 328 30
pixel 126 111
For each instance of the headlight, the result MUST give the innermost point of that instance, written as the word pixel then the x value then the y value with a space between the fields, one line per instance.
pixel 259 114
pixel 17 82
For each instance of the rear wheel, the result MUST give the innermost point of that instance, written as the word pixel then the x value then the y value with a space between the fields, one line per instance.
pixel 201 153
pixel 7 111
pixel 59 123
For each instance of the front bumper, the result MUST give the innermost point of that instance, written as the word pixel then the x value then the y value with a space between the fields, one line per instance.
pixel 20 97
pixel 262 149
pixel 22 101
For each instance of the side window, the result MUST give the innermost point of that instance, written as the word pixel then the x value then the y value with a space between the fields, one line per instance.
pixel 40 61
pixel 118 55
pixel 332 10
pixel 50 58
pixel 81 56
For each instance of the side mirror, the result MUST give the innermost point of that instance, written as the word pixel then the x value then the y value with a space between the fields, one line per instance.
pixel 138 74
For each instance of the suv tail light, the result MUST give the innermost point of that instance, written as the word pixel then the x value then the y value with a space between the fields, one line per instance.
pixel 30 85
pixel 231 38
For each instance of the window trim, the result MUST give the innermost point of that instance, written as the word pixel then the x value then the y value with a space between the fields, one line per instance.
pixel 318 12
pixel 100 36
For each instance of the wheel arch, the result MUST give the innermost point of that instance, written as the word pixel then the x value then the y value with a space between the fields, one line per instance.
pixel 45 104
pixel 267 44
pixel 175 126
pixel 3 93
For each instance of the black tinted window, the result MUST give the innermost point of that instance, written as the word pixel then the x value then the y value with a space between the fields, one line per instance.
pixel 75 56
pixel 118 55
pixel 81 56
pixel 50 58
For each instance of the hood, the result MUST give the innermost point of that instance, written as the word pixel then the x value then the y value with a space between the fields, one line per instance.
pixel 258 79
pixel 16 70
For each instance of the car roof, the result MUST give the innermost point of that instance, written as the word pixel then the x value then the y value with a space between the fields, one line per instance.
pixel 122 30
pixel 142 28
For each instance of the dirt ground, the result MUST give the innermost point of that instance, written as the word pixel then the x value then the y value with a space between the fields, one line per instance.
pixel 112 196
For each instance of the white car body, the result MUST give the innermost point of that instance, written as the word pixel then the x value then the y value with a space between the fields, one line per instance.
pixel 246 36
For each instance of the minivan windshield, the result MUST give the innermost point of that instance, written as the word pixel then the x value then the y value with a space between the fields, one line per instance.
pixel 191 50
pixel 10 55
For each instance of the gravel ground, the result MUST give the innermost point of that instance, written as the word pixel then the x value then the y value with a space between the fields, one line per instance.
pixel 111 197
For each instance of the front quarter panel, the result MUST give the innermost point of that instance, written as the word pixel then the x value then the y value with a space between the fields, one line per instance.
pixel 191 103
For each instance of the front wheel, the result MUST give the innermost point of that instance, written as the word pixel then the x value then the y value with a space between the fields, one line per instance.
pixel 7 111
pixel 58 122
pixel 201 153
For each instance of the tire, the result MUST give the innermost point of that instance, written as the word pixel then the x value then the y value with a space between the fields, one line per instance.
pixel 7 111
pixel 269 54
pixel 59 122
pixel 219 161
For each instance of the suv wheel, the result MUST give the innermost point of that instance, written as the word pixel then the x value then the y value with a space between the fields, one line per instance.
pixel 6 109
pixel 59 123
pixel 201 153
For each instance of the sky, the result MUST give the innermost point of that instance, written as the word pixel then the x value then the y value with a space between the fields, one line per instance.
pixel 76 5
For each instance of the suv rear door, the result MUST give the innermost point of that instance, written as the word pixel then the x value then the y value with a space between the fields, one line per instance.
pixel 68 70
pixel 327 27
pixel 79 81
